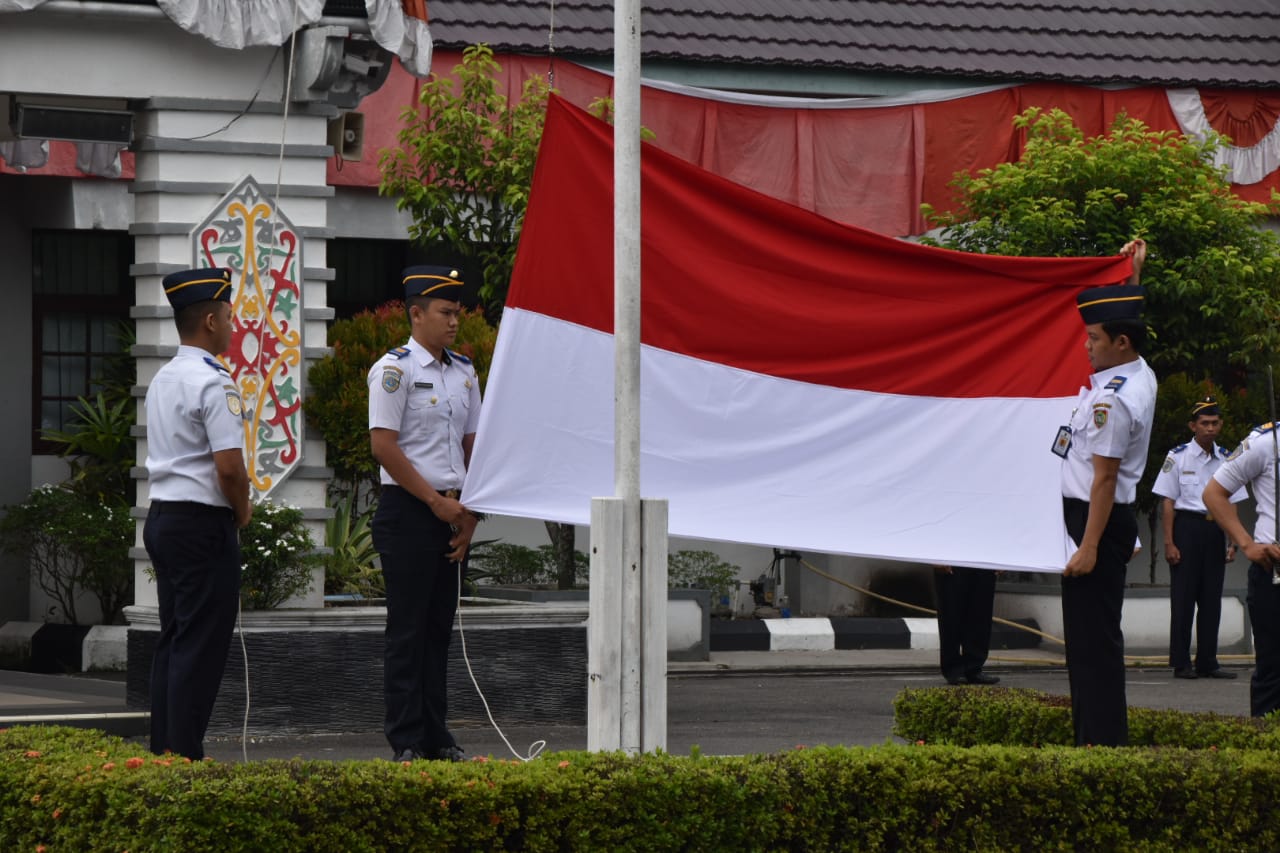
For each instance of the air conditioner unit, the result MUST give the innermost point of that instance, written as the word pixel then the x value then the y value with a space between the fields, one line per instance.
pixel 40 121
pixel 346 135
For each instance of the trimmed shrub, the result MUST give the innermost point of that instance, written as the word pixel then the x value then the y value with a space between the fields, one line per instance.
pixel 72 790
pixel 967 716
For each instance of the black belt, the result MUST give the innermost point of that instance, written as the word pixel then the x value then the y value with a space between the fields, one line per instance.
pixel 188 508
pixel 1066 501
pixel 1191 513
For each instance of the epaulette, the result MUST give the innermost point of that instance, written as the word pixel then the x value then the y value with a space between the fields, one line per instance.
pixel 1115 383
pixel 1263 429
pixel 459 356
pixel 398 352
pixel 1179 448
pixel 216 365
pixel 1223 452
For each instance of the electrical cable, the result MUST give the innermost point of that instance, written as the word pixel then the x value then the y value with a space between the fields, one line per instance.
pixel 535 748
pixel 253 100
pixel 244 653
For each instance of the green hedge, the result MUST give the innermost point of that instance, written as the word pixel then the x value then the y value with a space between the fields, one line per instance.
pixel 74 790
pixel 970 716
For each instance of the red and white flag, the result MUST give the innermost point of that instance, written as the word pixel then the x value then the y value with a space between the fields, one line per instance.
pixel 804 384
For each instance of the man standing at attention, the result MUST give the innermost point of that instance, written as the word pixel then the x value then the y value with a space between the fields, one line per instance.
pixel 1194 545
pixel 199 491
pixel 1104 450
pixel 424 404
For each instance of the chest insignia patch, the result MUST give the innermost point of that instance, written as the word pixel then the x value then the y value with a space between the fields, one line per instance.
pixel 391 377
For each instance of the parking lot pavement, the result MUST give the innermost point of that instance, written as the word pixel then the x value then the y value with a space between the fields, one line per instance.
pixel 735 703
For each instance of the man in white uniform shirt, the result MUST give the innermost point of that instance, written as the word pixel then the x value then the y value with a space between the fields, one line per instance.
pixel 424 404
pixel 1194 545
pixel 1104 450
pixel 1254 463
pixel 199 492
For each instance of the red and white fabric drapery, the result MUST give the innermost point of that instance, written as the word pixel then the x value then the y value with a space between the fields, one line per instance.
pixel 866 161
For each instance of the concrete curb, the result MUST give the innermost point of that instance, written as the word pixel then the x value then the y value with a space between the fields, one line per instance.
pixel 861 632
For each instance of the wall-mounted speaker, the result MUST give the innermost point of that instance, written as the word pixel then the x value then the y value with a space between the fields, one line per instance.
pixel 346 135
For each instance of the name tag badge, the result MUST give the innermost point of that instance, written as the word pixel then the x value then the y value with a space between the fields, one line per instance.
pixel 423 385
pixel 1062 443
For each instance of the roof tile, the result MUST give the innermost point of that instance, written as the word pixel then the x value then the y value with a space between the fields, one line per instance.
pixel 1171 42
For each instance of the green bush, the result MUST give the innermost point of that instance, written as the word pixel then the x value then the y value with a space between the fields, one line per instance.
pixel 349 566
pixel 277 555
pixel 964 716
pixel 76 543
pixel 701 570
pixel 72 790
pixel 507 564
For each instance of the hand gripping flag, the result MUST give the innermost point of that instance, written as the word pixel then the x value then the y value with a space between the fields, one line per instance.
pixel 804 383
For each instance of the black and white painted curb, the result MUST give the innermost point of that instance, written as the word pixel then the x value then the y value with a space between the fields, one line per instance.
pixel 860 632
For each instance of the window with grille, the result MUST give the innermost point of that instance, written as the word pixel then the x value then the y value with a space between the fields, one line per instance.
pixel 81 294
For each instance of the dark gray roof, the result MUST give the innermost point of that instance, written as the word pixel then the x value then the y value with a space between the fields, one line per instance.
pixel 1228 43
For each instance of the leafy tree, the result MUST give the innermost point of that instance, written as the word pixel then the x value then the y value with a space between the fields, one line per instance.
pixel 1212 272
pixel 465 164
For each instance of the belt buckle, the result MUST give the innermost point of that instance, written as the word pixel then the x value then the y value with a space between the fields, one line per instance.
pixel 1208 516
pixel 451 493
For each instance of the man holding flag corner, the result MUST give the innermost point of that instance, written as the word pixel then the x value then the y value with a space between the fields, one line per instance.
pixel 1104 451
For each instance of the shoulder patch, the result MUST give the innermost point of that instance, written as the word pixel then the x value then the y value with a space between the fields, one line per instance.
pixel 457 356
pixel 216 365
pixel 1243 446
pixel 1167 466
pixel 1115 383
pixel 391 376
pixel 398 352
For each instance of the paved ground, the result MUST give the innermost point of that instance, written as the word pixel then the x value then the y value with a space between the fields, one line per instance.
pixel 739 702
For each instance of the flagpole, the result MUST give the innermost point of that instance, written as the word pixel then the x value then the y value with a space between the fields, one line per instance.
pixel 626 695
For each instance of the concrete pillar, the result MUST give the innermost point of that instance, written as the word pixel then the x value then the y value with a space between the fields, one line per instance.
pixel 186 162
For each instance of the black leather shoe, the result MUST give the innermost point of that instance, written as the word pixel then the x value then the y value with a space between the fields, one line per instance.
pixel 446 753
pixel 982 678
pixel 407 754
pixel 954 679
pixel 1218 673
pixel 1184 673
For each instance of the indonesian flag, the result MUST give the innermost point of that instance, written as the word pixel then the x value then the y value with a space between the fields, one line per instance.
pixel 804 384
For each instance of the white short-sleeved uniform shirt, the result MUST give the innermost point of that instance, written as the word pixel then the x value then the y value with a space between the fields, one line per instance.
pixel 193 411
pixel 1112 418
pixel 1254 462
pixel 431 404
pixel 1186 471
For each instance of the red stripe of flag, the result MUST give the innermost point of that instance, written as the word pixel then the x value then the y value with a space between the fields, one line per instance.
pixel 738 278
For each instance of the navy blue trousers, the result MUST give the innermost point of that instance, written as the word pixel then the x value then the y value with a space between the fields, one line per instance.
pixel 1264 613
pixel 196 555
pixel 422 599
pixel 1196 585
pixel 965 601
pixel 1091 611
